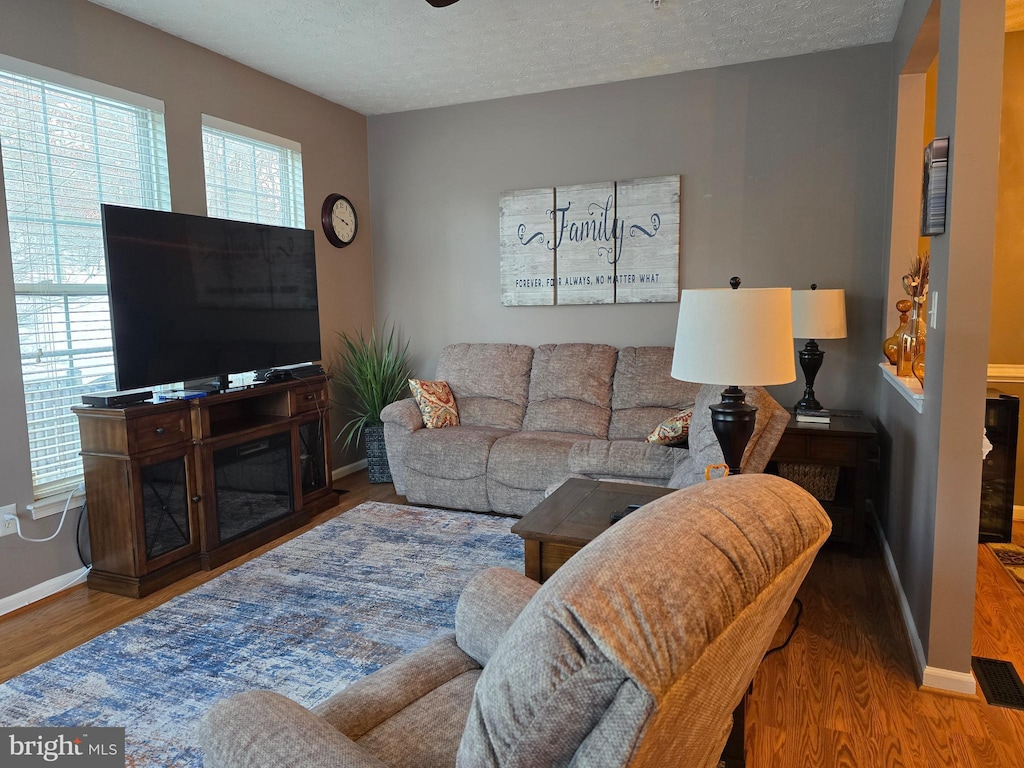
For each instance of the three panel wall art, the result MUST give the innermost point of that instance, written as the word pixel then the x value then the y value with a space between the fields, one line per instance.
pixel 610 243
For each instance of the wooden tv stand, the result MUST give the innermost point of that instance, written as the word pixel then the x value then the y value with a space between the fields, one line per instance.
pixel 176 486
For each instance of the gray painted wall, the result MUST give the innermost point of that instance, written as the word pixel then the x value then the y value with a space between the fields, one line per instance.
pixel 784 183
pixel 932 460
pixel 906 502
pixel 968 103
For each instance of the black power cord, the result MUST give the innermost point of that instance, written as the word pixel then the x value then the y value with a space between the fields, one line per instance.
pixel 78 534
pixel 796 623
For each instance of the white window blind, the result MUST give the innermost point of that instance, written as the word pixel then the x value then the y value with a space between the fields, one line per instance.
pixel 64 152
pixel 252 176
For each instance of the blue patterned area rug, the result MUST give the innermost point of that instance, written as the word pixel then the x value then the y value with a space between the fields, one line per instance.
pixel 304 619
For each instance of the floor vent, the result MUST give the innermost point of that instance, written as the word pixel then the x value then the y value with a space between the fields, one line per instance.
pixel 999 682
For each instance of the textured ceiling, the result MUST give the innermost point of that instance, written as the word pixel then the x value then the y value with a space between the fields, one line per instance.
pixel 379 56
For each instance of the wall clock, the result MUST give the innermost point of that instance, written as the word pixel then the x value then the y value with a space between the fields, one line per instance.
pixel 339 220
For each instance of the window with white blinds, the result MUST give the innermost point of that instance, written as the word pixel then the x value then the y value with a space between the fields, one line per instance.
pixel 251 175
pixel 65 151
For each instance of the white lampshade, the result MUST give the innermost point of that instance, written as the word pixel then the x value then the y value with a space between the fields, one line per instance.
pixel 741 337
pixel 819 314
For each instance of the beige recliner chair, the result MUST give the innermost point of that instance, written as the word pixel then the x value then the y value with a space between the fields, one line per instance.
pixel 634 653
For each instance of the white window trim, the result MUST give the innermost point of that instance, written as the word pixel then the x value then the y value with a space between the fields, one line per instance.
pixel 219 124
pixel 94 87
pixel 53 504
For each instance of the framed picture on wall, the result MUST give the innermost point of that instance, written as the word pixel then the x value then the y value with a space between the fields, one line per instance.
pixel 933 192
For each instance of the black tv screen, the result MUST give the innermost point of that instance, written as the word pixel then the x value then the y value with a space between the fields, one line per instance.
pixel 193 297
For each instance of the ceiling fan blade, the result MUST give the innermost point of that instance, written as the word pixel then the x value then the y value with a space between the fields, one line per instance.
pixel 441 3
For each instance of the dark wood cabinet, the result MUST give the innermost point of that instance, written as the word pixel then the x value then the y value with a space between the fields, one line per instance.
pixel 999 467
pixel 848 447
pixel 177 486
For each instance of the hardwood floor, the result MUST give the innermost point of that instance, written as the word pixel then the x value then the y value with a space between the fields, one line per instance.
pixel 48 628
pixel 841 694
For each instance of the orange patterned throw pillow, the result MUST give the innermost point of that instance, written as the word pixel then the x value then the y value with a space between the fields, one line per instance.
pixel 673 430
pixel 436 402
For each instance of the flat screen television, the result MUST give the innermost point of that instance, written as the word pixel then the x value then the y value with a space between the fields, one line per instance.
pixel 196 298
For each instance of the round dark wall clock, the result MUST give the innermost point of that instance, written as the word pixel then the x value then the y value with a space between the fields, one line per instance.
pixel 339 220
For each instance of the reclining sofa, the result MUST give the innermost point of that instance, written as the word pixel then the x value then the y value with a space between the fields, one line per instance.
pixel 530 418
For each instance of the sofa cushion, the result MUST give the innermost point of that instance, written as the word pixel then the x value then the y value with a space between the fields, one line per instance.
pixel 454 453
pixel 644 393
pixel 358 708
pixel 429 730
pixel 571 389
pixel 448 467
pixel 623 458
pixel 531 460
pixel 490 382
pixel 437 405
pixel 469 494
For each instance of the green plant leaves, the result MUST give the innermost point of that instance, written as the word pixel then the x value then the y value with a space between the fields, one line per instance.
pixel 372 373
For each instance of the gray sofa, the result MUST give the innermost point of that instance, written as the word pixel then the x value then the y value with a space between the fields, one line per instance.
pixel 635 653
pixel 530 418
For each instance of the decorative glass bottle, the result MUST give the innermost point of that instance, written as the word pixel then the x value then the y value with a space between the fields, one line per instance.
pixel 892 343
pixel 906 349
pixel 917 366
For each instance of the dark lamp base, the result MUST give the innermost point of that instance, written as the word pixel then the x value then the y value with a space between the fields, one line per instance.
pixel 810 361
pixel 733 422
pixel 808 404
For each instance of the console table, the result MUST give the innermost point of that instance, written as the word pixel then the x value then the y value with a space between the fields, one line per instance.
pixel 176 486
pixel 849 442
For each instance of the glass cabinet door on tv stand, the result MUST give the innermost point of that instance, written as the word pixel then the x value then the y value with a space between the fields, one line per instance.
pixel 166 513
pixel 312 456
pixel 139 474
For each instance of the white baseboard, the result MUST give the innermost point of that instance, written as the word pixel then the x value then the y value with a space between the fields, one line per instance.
pixel 348 469
pixel 39 591
pixel 948 680
pixel 58 583
pixel 920 662
pixel 932 677
pixel 1018 512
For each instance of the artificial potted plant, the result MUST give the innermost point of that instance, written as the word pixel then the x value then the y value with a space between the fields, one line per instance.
pixel 370 375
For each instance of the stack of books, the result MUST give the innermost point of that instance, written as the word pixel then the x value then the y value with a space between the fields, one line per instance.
pixel 814 417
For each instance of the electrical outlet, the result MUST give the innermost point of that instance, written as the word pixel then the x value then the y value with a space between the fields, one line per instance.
pixel 8 527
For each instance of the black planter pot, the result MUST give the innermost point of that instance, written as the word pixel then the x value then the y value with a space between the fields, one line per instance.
pixel 376 456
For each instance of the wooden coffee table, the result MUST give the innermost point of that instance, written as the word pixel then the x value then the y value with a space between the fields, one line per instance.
pixel 572 517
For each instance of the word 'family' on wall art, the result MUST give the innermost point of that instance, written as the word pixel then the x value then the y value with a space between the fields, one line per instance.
pixel 610 243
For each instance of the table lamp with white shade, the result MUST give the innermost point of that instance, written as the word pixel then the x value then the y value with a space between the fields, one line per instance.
pixel 734 337
pixel 816 315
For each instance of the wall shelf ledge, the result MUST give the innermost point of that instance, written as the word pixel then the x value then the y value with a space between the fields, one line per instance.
pixel 907 386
